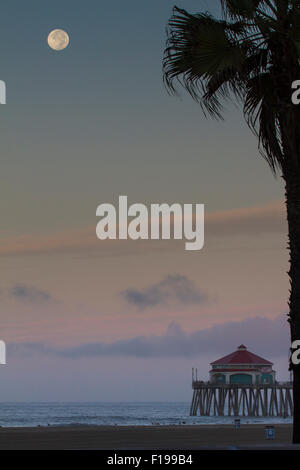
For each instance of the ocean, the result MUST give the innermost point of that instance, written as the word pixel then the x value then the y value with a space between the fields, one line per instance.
pixel 115 414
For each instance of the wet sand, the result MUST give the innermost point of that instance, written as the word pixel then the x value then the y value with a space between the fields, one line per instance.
pixel 143 437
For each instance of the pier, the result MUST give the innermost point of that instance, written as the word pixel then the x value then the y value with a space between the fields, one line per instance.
pixel 211 399
pixel 241 384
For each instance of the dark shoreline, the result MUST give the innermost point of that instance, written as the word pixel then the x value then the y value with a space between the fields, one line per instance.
pixel 142 437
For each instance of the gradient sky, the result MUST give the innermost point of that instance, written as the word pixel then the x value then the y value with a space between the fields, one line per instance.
pixel 91 320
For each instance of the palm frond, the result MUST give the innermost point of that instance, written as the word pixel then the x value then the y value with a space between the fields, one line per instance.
pixel 240 8
pixel 198 47
pixel 250 55
pixel 261 112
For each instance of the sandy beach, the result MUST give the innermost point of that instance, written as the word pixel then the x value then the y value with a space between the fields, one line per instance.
pixel 142 437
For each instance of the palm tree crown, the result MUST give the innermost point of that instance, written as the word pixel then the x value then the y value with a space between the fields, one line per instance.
pixel 251 54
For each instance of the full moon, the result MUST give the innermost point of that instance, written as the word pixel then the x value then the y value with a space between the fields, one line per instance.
pixel 58 39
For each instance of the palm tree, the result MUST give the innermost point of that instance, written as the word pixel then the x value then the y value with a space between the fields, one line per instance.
pixel 250 55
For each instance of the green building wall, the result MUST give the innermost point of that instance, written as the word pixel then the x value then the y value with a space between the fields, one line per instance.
pixel 266 378
pixel 243 379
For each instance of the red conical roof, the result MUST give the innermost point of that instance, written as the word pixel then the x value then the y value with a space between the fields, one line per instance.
pixel 242 356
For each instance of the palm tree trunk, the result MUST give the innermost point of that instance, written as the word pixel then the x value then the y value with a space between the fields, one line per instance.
pixel 291 176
